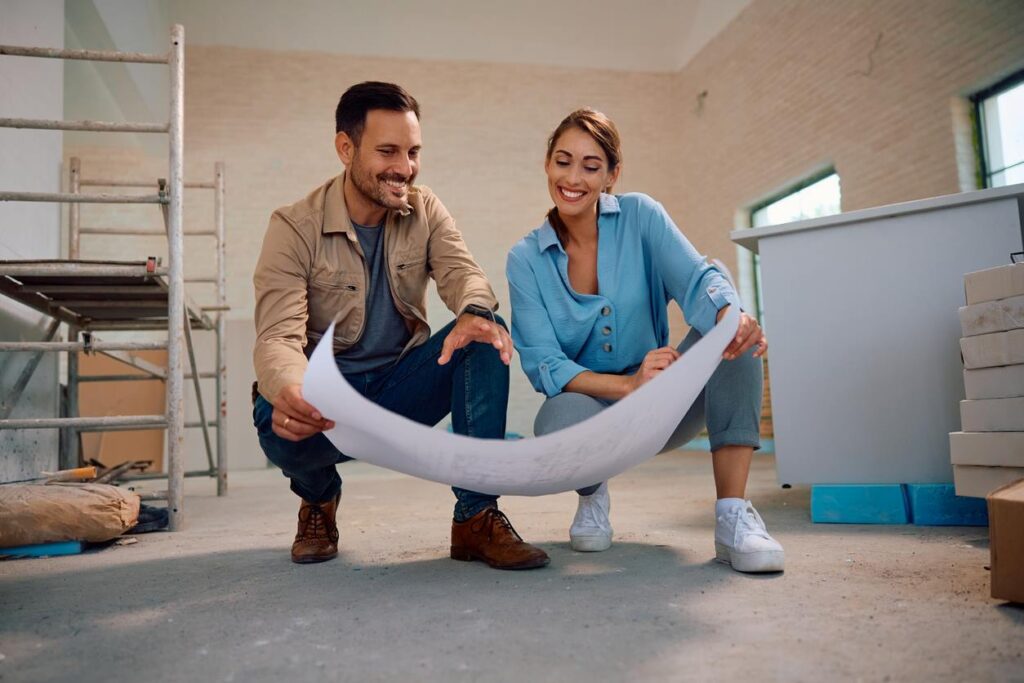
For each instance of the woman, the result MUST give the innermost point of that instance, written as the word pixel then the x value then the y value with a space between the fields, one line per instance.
pixel 589 291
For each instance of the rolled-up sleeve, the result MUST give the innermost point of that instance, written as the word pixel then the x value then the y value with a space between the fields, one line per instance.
pixel 545 364
pixel 699 288
pixel 281 308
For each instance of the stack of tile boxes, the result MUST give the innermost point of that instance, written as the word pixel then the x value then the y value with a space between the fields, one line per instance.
pixel 989 452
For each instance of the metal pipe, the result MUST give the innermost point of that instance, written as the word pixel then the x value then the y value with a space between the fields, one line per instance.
pixel 80 268
pixel 72 198
pixel 86 424
pixel 199 392
pixel 222 350
pixel 82 346
pixel 69 436
pixel 141 232
pixel 165 475
pixel 74 211
pixel 7 406
pixel 137 362
pixel 92 126
pixel 216 308
pixel 91 55
pixel 176 283
pixel 138 378
pixel 196 423
pixel 103 182
pixel 210 280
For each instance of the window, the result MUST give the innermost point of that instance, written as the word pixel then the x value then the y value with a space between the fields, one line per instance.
pixel 1000 118
pixel 817 196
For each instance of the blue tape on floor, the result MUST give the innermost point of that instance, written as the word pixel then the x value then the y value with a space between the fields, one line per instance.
pixel 938 505
pixel 859 504
pixel 44 549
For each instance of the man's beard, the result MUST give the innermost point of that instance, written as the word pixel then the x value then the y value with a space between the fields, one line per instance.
pixel 375 189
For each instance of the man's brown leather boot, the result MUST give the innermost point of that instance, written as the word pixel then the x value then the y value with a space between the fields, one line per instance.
pixel 488 536
pixel 317 537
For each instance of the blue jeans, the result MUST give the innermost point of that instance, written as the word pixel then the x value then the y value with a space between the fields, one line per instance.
pixel 472 386
pixel 729 406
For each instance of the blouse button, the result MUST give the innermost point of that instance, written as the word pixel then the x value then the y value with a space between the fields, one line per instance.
pixel 607 347
pixel 606 310
pixel 606 331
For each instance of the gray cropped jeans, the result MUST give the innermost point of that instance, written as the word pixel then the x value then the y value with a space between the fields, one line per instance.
pixel 729 406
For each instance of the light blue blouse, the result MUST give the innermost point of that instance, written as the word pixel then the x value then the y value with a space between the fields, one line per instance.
pixel 643 260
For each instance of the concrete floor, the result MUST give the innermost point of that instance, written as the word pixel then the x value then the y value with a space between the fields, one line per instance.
pixel 222 602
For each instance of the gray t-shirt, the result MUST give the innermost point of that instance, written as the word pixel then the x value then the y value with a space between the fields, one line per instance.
pixel 385 334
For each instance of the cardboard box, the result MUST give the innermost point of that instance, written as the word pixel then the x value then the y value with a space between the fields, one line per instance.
pixel 1006 541
pixel 1006 381
pixel 992 415
pixel 992 449
pixel 146 397
pixel 992 284
pixel 990 350
pixel 992 316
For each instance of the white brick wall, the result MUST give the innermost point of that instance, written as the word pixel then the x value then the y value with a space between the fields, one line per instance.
pixel 790 88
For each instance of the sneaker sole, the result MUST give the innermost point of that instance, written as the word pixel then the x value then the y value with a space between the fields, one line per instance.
pixel 590 544
pixel 761 562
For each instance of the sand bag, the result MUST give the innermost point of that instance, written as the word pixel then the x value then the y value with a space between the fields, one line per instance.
pixel 31 514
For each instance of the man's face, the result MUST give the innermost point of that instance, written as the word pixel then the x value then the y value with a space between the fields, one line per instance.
pixel 385 163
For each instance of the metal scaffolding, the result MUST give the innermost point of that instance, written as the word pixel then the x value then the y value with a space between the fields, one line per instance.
pixel 116 295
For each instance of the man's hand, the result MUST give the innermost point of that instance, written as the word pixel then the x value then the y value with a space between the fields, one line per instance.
pixel 472 328
pixel 293 418
pixel 748 334
pixel 654 362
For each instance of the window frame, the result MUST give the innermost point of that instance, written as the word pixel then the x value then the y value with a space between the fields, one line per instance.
pixel 793 189
pixel 806 182
pixel 977 111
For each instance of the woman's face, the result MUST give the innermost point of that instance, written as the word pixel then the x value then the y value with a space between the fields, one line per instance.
pixel 577 174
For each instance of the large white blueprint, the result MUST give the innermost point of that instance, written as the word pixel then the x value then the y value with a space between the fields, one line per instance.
pixel 623 435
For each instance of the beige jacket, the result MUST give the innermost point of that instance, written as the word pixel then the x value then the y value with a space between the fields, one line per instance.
pixel 311 272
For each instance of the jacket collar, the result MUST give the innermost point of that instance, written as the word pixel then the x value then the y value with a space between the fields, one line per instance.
pixel 336 218
pixel 547 237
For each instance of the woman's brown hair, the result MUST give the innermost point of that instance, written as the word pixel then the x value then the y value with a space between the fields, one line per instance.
pixel 605 134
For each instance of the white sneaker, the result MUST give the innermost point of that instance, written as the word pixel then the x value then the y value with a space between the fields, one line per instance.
pixel 591 532
pixel 742 541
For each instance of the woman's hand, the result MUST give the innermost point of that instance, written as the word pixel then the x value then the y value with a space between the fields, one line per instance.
pixel 654 362
pixel 748 334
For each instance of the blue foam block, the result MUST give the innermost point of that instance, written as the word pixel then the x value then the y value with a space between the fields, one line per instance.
pixel 44 549
pixel 938 505
pixel 859 504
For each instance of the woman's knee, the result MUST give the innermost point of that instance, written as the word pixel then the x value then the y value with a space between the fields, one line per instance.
pixel 565 410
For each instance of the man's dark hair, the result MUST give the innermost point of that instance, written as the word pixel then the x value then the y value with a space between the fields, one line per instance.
pixel 350 116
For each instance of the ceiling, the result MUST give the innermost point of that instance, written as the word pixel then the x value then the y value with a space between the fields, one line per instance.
pixel 643 35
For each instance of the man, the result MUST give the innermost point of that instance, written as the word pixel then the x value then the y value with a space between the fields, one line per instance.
pixel 359 250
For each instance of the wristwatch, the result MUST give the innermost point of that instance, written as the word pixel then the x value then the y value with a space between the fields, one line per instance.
pixel 473 309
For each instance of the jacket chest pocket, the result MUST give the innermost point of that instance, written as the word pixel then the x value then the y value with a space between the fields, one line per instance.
pixel 337 296
pixel 411 275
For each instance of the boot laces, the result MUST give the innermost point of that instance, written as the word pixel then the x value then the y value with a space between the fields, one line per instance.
pixel 494 520
pixel 313 523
